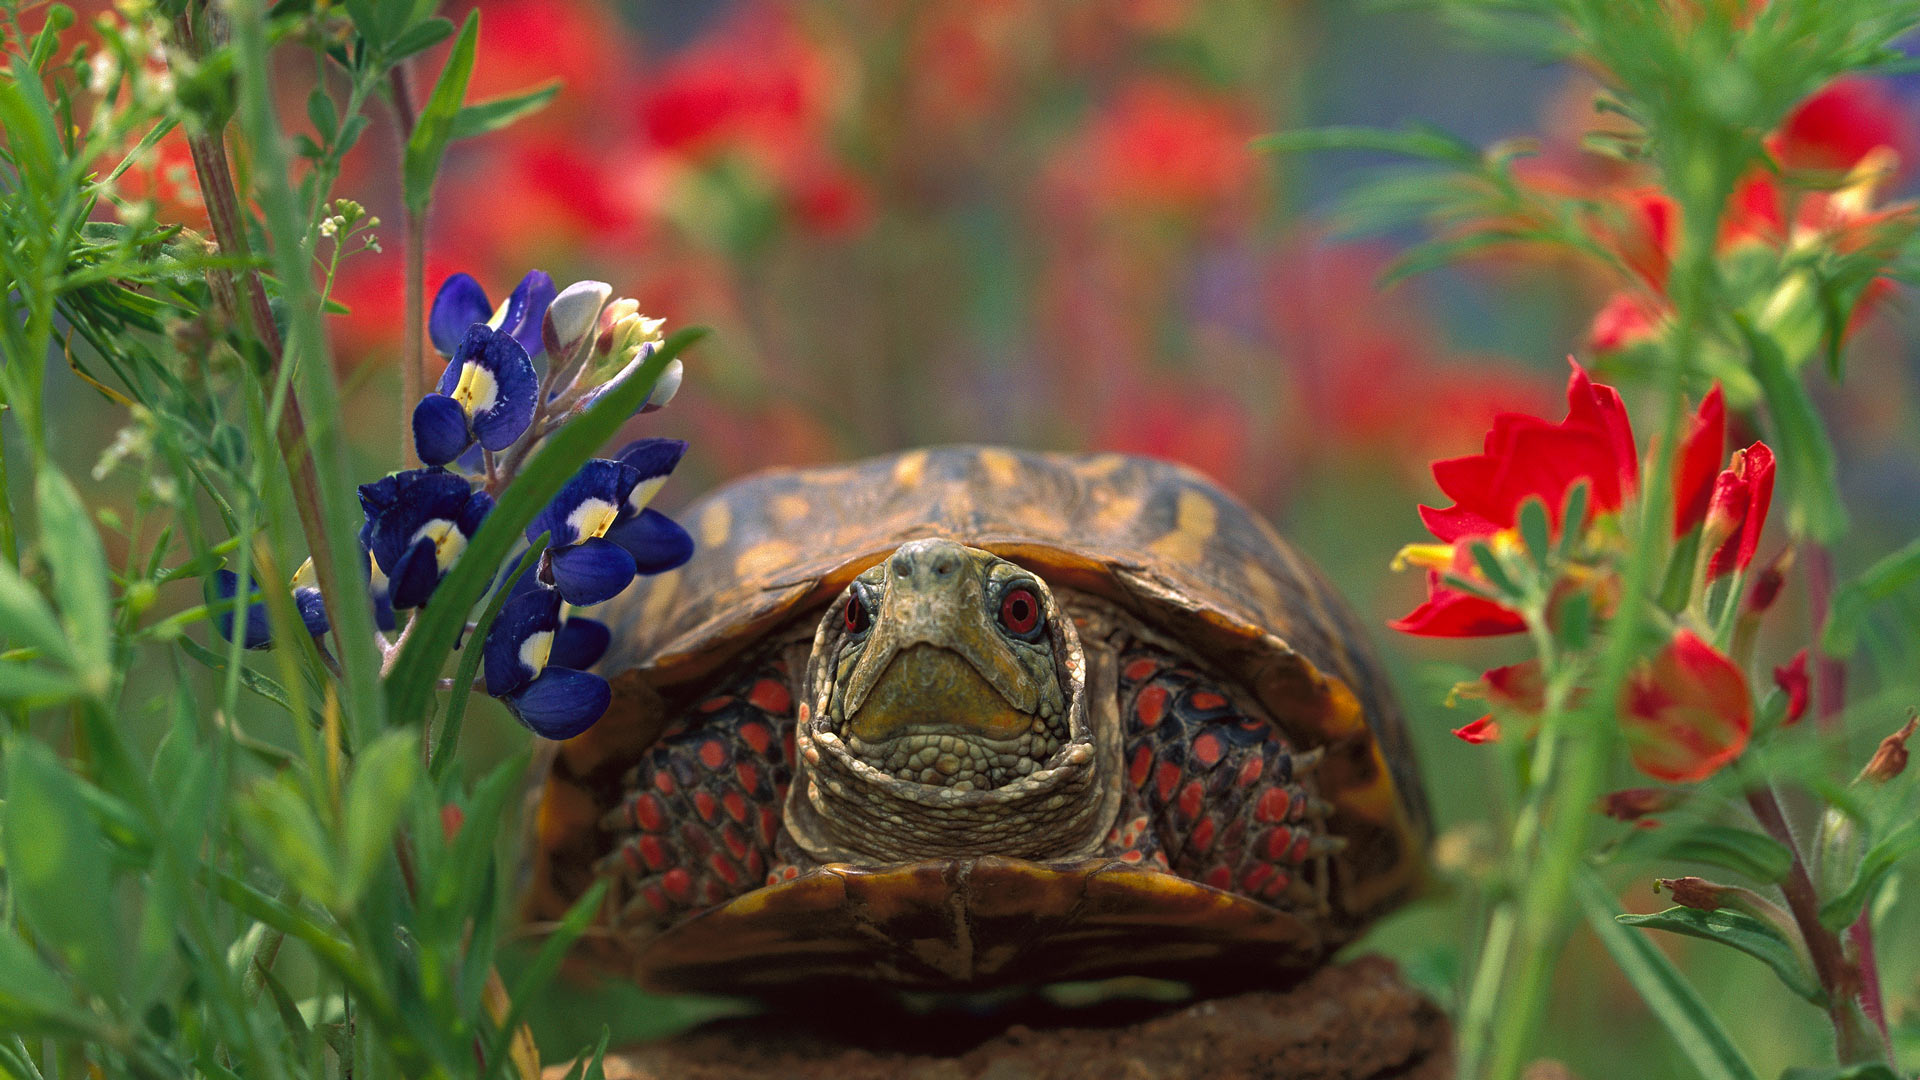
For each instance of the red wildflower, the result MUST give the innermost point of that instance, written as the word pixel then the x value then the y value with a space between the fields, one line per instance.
pixel 1163 146
pixel 1837 127
pixel 1792 678
pixel 1524 456
pixel 1484 730
pixel 1687 712
pixel 1628 318
pixel 1738 510
pixel 1699 460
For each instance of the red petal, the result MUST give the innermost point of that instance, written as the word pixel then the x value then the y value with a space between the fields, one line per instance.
pixel 1456 523
pixel 1760 484
pixel 1792 678
pixel 1484 730
pixel 1517 686
pixel 1450 613
pixel 1598 406
pixel 1699 461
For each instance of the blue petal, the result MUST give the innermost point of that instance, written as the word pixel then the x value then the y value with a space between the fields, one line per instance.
pixel 561 703
pixel 440 430
pixel 460 303
pixel 479 505
pixel 471 461
pixel 527 308
pixel 580 643
pixel 414 576
pixel 383 612
pixel 520 618
pixel 608 481
pixel 591 572
pixel 516 385
pixel 407 501
pixel 656 541
pixel 259 634
pixel 313 610
pixel 652 457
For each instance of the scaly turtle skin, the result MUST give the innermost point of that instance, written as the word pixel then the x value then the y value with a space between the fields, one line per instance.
pixel 966 717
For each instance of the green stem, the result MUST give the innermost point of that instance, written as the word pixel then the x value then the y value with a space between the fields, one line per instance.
pixel 413 355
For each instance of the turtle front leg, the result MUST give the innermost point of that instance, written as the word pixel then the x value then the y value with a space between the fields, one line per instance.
pixel 1214 792
pixel 701 819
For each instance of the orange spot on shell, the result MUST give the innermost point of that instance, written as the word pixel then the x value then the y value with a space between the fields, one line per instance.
pixel 1208 700
pixel 1190 797
pixel 735 840
pixel 1208 750
pixel 703 804
pixel 757 735
pixel 713 753
pixel 646 813
pixel 1250 772
pixel 1256 876
pixel 1165 778
pixel 1150 706
pixel 1273 805
pixel 770 696
pixel 1130 856
pixel 663 782
pixel 1202 836
pixel 748 776
pixel 1138 670
pixel 736 806
pixel 1220 877
pixel 678 884
pixel 1277 843
pixel 1138 768
pixel 715 704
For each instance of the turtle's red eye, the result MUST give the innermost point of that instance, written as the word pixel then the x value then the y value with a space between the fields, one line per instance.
pixel 1020 611
pixel 856 616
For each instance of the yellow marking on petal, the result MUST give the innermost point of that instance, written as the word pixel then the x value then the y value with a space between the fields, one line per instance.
pixel 1431 556
pixel 1002 468
pixel 378 575
pixel 764 558
pixel 306 577
pixel 715 523
pixel 643 493
pixel 477 390
pixel 787 509
pixel 535 650
pixel 1195 519
pixel 500 313
pixel 592 518
pixel 448 541
pixel 908 470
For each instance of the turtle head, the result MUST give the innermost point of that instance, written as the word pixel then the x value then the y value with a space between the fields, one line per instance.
pixel 946 673
pixel 946 687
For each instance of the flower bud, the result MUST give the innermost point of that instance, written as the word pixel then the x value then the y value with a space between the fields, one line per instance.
pixel 1633 804
pixel 572 318
pixel 1890 760
pixel 1687 712
pixel 1738 510
pixel 1768 583
pixel 1696 893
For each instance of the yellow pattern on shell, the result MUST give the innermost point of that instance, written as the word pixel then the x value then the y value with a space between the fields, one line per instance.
pixel 715 524
pixel 1001 466
pixel 1194 523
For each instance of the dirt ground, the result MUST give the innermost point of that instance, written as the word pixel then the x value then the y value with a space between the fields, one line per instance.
pixel 1358 1021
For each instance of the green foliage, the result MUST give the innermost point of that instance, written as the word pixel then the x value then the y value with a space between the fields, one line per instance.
pixel 275 889
pixel 1755 937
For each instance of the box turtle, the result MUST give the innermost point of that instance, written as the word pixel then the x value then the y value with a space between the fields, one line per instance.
pixel 968 717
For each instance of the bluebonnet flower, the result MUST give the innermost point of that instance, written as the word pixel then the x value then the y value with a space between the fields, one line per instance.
pixel 306 598
pixel 461 302
pixel 418 523
pixel 259 632
pixel 486 394
pixel 529 657
pixel 226 584
pixel 601 532
pixel 627 339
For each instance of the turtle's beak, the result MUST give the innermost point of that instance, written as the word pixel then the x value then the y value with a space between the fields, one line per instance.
pixel 935 660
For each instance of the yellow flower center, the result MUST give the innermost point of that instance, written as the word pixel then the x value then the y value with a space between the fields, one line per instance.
pixel 448 541
pixel 592 518
pixel 477 390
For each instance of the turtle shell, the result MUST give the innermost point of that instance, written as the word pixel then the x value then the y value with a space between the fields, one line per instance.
pixel 1158 540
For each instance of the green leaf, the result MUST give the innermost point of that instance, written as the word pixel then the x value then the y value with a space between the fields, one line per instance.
pixel 31 993
pixel 1493 569
pixel 249 678
pixel 469 665
pixel 1861 1071
pixel 1667 994
pixel 1536 531
pixel 1805 455
pixel 321 113
pixel 72 548
pixel 1573 514
pixel 495 113
pixel 33 686
pixel 415 673
pixel 1760 858
pixel 58 864
pixel 435 127
pixel 1880 582
pixel 1755 937
pixel 284 828
pixel 544 966
pixel 1880 859
pixel 27 619
pixel 419 37
pixel 1423 142
pixel 383 777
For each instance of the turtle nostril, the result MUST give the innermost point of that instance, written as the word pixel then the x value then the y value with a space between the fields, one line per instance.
pixel 945 565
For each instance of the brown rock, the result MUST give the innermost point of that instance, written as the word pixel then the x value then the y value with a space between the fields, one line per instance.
pixel 1357 1021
